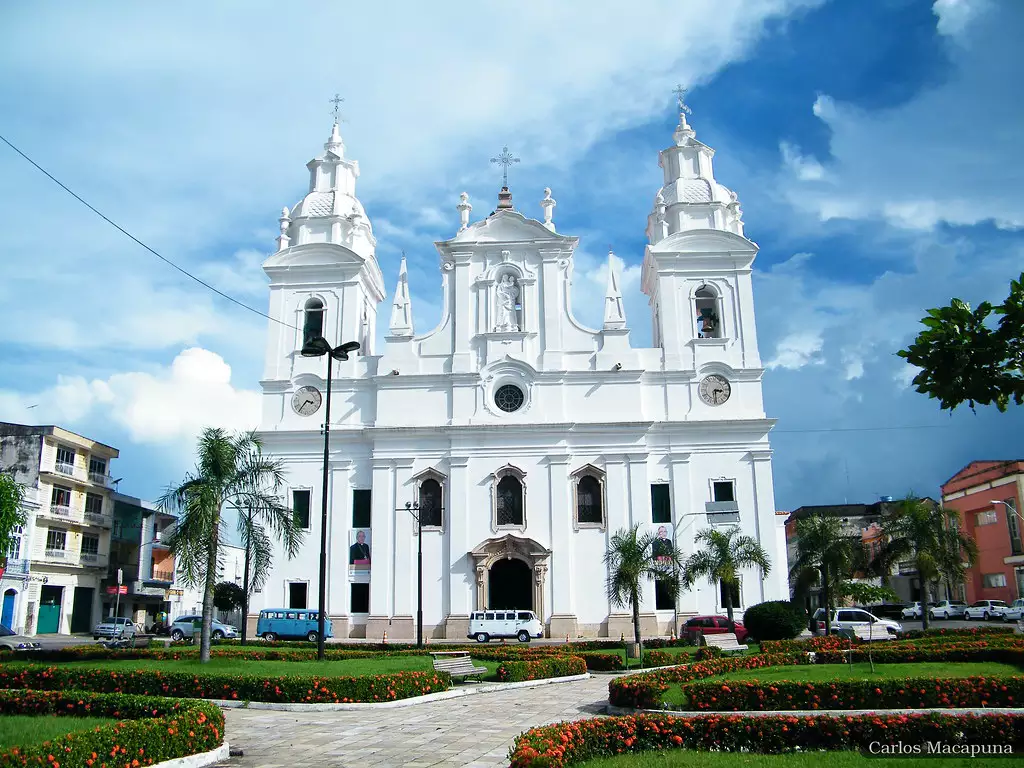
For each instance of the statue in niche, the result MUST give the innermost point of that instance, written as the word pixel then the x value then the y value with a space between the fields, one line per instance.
pixel 507 314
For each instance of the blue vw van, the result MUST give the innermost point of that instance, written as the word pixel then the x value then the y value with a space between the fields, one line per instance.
pixel 291 624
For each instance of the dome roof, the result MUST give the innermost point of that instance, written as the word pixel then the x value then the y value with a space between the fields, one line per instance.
pixel 696 191
pixel 323 204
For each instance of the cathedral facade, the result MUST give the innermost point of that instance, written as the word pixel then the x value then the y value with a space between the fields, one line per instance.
pixel 514 439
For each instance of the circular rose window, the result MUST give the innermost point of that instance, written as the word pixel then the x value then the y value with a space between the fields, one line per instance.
pixel 509 398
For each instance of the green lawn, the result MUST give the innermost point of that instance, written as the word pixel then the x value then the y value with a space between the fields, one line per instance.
pixel 692 759
pixel 23 730
pixel 330 667
pixel 819 673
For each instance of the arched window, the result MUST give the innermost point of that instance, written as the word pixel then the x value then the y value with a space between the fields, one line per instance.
pixel 509 501
pixel 430 503
pixel 589 508
pixel 709 320
pixel 313 323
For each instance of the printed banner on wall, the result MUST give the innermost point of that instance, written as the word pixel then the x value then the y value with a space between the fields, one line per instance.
pixel 359 551
pixel 662 546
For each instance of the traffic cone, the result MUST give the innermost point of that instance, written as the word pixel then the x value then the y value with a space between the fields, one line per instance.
pixel 385 638
pixel 567 637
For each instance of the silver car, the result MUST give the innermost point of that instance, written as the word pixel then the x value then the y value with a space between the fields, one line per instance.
pixel 985 610
pixel 947 609
pixel 187 626
pixel 114 626
pixel 9 641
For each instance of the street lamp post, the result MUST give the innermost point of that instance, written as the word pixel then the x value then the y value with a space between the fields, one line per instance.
pixel 318 347
pixel 414 508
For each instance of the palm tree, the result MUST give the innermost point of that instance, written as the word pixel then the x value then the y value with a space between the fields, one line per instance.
pixel 826 551
pixel 727 553
pixel 929 536
pixel 259 554
pixel 631 559
pixel 231 471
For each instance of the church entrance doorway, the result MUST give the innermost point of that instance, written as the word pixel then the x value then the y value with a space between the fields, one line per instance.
pixel 510 585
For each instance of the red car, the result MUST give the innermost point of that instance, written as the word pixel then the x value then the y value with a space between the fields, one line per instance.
pixel 711 625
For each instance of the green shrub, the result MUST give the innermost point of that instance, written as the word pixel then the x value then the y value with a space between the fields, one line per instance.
pixel 570 743
pixel 910 693
pixel 151 729
pixel 708 652
pixel 775 620
pixel 292 688
pixel 559 666
pixel 660 659
pixel 603 662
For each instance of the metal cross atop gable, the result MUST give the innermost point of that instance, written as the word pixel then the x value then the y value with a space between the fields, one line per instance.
pixel 336 101
pixel 505 159
pixel 680 93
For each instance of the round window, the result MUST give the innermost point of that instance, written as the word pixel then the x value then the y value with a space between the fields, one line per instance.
pixel 509 398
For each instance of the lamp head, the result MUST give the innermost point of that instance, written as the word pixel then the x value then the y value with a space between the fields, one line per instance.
pixel 341 352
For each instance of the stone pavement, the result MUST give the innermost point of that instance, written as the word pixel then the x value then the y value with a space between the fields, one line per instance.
pixel 472 731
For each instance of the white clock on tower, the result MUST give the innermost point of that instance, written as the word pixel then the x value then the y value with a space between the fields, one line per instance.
pixel 306 401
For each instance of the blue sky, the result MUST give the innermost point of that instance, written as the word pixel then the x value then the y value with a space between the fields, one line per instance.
pixel 874 148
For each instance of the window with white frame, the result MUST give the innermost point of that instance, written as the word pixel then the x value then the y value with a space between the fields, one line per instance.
pixel 90 545
pixel 994 580
pixel 60 497
pixel 737 594
pixel 65 462
pixel 15 551
pixel 94 504
pixel 300 507
pixel 509 498
pixel 988 517
pixel 97 466
pixel 56 540
pixel 430 497
pixel 723 490
pixel 588 493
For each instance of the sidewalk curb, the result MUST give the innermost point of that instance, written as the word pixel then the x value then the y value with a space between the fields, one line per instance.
pixel 410 702
pixel 613 710
pixel 198 760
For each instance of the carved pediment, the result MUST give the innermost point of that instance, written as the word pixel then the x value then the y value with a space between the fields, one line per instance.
pixel 507 227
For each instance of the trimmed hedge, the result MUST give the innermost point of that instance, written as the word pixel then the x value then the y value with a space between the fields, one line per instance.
pixel 569 743
pixel 910 693
pixel 562 666
pixel 954 638
pixel 301 689
pixel 775 620
pixel 646 690
pixel 151 729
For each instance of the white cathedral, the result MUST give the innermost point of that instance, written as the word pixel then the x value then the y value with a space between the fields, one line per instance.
pixel 521 438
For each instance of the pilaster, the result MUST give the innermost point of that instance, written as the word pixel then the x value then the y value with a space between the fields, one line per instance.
pixel 405 540
pixel 339 520
pixel 563 614
pixel 774 586
pixel 684 523
pixel 381 546
pixel 460 580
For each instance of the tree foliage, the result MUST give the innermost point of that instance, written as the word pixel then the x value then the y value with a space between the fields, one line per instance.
pixel 231 471
pixel 12 495
pixel 228 596
pixel 929 536
pixel 965 357
pixel 726 553
pixel 826 555
pixel 630 561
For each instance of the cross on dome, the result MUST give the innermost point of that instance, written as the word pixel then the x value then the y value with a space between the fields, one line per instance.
pixel 680 93
pixel 336 101
pixel 505 159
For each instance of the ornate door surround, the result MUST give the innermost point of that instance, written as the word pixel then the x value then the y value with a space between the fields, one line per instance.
pixel 507 547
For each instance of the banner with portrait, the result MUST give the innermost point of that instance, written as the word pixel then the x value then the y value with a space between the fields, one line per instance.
pixel 359 549
pixel 663 543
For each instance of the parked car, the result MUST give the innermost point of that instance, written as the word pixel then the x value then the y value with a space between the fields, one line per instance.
pixel 291 623
pixel 848 618
pixel 524 625
pixel 913 611
pixel 114 626
pixel 948 609
pixel 985 610
pixel 892 611
pixel 1014 611
pixel 9 641
pixel 712 625
pixel 186 626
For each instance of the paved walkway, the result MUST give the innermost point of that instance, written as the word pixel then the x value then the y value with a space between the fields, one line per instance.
pixel 470 731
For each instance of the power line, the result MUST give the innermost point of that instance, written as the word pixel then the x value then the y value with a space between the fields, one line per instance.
pixel 863 429
pixel 129 235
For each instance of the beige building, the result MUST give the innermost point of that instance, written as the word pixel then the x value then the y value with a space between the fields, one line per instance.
pixel 53 583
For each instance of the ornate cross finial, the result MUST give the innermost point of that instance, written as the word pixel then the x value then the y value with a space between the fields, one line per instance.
pixel 336 101
pixel 680 93
pixel 505 159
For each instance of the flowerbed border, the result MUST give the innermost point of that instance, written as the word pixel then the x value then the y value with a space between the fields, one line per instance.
pixel 152 731
pixel 570 743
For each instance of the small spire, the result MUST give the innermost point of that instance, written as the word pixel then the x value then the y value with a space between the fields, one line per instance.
pixel 401 311
pixel 464 207
pixel 547 204
pixel 614 312
pixel 283 241
pixel 683 130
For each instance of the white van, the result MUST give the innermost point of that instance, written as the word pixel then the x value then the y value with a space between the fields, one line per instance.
pixel 483 625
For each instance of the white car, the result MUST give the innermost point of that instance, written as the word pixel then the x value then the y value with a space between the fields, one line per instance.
pixel 1015 611
pixel 523 625
pixel 114 626
pixel 947 609
pixel 985 610
pixel 914 611
pixel 848 618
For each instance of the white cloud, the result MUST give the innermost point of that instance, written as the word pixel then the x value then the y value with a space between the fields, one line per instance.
pixel 168 405
pixel 797 350
pixel 949 154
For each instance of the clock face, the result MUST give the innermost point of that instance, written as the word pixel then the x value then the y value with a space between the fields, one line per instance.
pixel 714 389
pixel 306 401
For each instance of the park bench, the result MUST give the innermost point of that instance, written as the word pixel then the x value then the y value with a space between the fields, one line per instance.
pixel 456 664
pixel 725 640
pixel 869 632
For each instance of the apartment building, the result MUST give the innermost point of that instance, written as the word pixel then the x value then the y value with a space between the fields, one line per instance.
pixel 53 583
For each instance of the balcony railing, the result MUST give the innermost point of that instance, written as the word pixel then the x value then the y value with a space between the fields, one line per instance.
pixel 167 576
pixel 100 478
pixel 92 559
pixel 55 554
pixel 97 518
pixel 64 468
pixel 61 510
pixel 16 567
